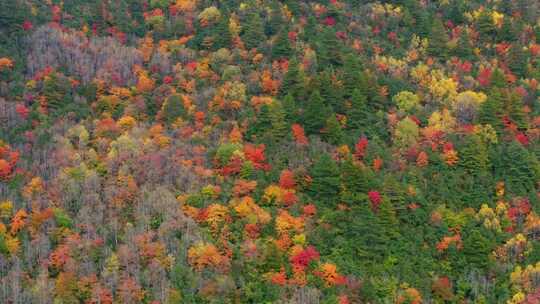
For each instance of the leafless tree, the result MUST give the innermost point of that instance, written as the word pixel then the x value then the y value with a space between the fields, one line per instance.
pixel 85 58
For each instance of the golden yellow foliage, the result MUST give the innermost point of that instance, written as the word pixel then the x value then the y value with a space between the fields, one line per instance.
pixel 127 122
pixel 217 214
pixel 442 121
pixel 209 14
pixel 234 25
pixel 5 209
pixel 525 280
pixel 146 47
pixel 203 255
pixel 145 83
pixel 185 6
pixel 248 209
pixel 33 187
pixel 13 244
pixel 498 18
pixel 120 92
pixel 443 88
pixel 286 223
pixel 489 218
pixel 273 193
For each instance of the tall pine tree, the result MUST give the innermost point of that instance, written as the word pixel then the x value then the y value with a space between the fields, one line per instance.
pixel 438 40
pixel 253 30
pixel 325 184
pixel 315 114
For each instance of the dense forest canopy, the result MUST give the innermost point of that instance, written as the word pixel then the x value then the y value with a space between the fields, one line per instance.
pixel 264 151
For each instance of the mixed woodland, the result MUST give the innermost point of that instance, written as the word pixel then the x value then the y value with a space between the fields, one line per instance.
pixel 264 151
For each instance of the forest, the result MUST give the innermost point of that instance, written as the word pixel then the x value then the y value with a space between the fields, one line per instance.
pixel 265 151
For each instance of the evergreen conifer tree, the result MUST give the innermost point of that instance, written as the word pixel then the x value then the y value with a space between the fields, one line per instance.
pixel 279 127
pixel 333 132
pixel 290 108
pixel 358 116
pixel 173 108
pixel 438 40
pixel 55 90
pixel 329 49
pixel 315 114
pixel 354 179
pixel 477 249
pixel 352 73
pixel 498 80
pixel 518 168
pixel 474 156
pixel 282 46
pixel 514 106
pixel 325 184
pixel 517 60
pixel 506 32
pixel 485 26
pixel 253 30
pixel 464 47
pixel 491 110
pixel 222 36
pixel 293 81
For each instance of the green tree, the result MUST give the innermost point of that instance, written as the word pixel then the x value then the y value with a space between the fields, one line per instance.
pixel 274 21
pixel 474 156
pixel 173 108
pixel 388 220
pixel 262 123
pixel 477 250
pixel 438 40
pixel 325 182
pixel 406 133
pixel 498 80
pixel 364 230
pixel 315 114
pixel 422 20
pixel 293 81
pixel 222 36
pixel 485 26
pixel 56 91
pixel 12 16
pixel 329 48
pixel 506 32
pixel 517 60
pixel 253 30
pixel 294 6
pixel 330 91
pixel 352 74
pixel 519 168
pixel 278 122
pixel 354 179
pixel 514 107
pixel 311 29
pixel 456 11
pixel 290 108
pixel 333 133
pixel 358 116
pixel 491 110
pixel 282 46
pixel 464 48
